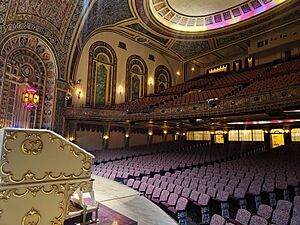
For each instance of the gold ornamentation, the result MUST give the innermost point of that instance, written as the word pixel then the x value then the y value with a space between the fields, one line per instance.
pixel 32 145
pixel 33 217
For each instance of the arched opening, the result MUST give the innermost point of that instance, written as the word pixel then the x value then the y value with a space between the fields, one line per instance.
pixel 102 75
pixel 162 78
pixel 136 78
pixel 29 80
pixel 277 137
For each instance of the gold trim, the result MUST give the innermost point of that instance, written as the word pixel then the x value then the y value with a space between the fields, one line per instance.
pixel 29 175
pixel 32 145
pixel 32 217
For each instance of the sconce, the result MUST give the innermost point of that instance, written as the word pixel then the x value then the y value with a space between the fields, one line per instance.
pixel 165 132
pixel 150 133
pixel 71 138
pixel 127 135
pixel 193 69
pixel 178 73
pixel 30 98
pixel 150 82
pixel 78 94
pixel 121 90
pixel 105 137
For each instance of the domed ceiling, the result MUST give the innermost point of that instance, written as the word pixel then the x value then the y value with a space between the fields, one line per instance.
pixel 195 17
pixel 203 15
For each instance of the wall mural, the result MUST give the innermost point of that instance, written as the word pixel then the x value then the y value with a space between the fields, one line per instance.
pixel 101 85
pixel 162 79
pixel 29 62
pixel 102 75
pixel 135 87
pixel 136 78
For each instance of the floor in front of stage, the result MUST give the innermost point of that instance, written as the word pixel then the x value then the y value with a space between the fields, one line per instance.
pixel 127 206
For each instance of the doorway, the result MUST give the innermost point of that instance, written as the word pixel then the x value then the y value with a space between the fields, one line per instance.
pixel 219 139
pixel 277 139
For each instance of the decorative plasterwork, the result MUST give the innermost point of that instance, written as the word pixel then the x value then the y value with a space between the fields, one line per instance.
pixel 165 14
pixel 43 145
pixel 54 15
pixel 12 48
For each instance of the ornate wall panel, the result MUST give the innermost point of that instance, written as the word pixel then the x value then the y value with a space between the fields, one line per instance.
pixel 34 64
pixel 102 63
pixel 163 79
pixel 29 179
pixel 136 78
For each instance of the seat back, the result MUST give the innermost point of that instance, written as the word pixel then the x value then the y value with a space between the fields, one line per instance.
pixel 150 189
pixel 172 199
pixel 280 217
pixel 265 211
pixel 243 216
pixel 203 199
pixel 164 196
pixel 194 196
pixel 156 193
pixel 257 220
pixel 217 220
pixel 186 192
pixel 181 204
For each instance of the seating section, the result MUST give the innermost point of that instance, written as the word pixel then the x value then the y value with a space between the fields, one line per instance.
pixel 219 86
pixel 239 182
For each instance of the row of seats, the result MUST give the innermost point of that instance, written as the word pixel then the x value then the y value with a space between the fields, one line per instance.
pixel 223 187
pixel 183 157
pixel 261 78
pixel 285 213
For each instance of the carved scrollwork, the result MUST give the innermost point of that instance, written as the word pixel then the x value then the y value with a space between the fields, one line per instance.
pixel 32 217
pixel 32 145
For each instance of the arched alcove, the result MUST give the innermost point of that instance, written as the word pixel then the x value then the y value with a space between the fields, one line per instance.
pixel 102 75
pixel 136 78
pixel 162 79
pixel 29 64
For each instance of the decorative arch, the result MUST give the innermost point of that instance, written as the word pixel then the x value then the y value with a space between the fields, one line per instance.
pixel 162 79
pixel 102 75
pixel 27 62
pixel 136 78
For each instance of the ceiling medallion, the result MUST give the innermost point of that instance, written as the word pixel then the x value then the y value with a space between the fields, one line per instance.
pixel 197 16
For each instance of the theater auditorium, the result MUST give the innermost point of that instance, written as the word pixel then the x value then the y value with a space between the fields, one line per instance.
pixel 149 112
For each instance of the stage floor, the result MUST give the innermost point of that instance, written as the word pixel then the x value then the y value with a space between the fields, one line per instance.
pixel 129 203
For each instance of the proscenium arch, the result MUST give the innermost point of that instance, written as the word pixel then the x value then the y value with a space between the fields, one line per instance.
pixel 156 77
pixel 129 65
pixel 33 46
pixel 91 78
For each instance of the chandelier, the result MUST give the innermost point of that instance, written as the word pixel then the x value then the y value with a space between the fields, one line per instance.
pixel 30 98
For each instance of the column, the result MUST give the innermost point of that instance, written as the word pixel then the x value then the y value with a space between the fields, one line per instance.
pixel 149 137
pixel 267 137
pixel 106 137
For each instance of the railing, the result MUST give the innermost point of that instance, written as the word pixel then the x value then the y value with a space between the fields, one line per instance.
pixel 260 102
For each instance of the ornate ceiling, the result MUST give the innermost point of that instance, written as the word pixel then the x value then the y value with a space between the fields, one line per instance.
pixel 66 25
pixel 199 16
